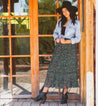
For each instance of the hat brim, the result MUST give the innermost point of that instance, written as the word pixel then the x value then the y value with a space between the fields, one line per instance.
pixel 73 8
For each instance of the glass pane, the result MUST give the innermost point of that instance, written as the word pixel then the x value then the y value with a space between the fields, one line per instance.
pixel 19 7
pixel 44 63
pixel 4 66
pixel 21 46
pixel 5 89
pixel 21 66
pixel 20 26
pixel 46 45
pixel 3 7
pixel 47 6
pixel 22 86
pixel 47 25
pixel 4 46
pixel 4 26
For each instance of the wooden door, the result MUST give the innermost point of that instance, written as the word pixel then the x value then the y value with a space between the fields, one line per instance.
pixel 15 49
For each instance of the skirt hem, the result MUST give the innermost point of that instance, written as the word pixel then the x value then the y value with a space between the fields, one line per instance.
pixel 61 87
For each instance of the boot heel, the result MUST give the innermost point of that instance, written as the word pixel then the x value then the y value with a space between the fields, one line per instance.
pixel 43 100
pixel 41 96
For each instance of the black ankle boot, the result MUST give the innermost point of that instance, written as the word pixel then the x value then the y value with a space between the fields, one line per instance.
pixel 42 96
pixel 64 98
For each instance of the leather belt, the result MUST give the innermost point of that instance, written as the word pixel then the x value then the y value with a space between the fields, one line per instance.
pixel 66 38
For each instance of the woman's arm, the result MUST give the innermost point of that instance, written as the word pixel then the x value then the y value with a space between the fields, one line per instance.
pixel 55 33
pixel 77 33
pixel 63 41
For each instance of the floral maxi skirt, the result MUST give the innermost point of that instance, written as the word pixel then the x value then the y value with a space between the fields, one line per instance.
pixel 63 69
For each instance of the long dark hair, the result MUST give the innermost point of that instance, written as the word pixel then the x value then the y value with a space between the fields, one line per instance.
pixel 63 19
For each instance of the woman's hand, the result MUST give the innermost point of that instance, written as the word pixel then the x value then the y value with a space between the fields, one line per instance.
pixel 63 41
pixel 57 40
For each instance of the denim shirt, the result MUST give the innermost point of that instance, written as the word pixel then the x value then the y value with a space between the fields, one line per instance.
pixel 70 31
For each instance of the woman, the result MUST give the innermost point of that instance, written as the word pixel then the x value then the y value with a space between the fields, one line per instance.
pixel 63 69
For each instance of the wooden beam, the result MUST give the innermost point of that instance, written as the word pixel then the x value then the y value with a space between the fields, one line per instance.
pixel 33 11
pixel 89 54
pixel 94 3
pixel 82 52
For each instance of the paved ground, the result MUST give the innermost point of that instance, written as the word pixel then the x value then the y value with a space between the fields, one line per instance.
pixel 29 102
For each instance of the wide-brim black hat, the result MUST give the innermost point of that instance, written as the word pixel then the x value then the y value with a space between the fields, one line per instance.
pixel 67 4
pixel 74 9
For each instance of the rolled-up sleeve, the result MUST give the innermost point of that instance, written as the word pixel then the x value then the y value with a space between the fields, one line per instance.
pixel 55 32
pixel 77 33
